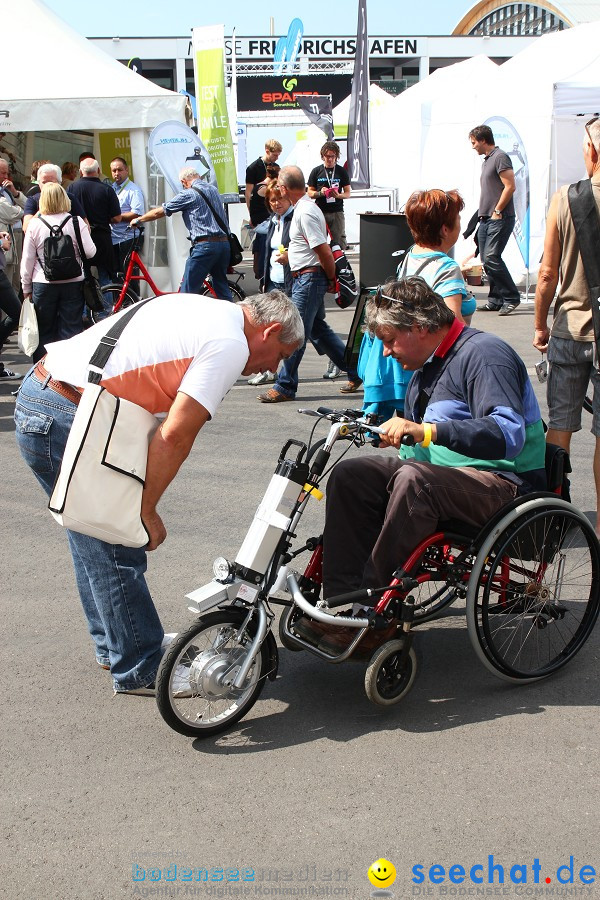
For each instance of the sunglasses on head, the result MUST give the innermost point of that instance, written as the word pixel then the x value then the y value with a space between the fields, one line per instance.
pixel 380 297
pixel 588 124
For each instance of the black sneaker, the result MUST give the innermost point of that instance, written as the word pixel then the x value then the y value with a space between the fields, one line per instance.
pixel 8 374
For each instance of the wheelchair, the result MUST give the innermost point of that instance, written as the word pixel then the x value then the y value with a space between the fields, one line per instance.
pixel 529 580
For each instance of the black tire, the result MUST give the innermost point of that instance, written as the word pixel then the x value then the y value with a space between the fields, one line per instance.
pixel 111 293
pixel 208 649
pixel 535 592
pixel 237 292
pixel 386 682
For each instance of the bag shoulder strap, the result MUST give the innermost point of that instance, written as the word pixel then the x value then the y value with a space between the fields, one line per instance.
pixel 586 221
pixel 216 216
pixel 108 342
pixel 84 260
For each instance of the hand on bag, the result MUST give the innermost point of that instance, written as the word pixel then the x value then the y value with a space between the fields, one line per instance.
pixel 155 528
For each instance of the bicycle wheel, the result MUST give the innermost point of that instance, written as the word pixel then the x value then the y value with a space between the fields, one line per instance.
pixel 212 649
pixel 535 592
pixel 111 293
pixel 236 291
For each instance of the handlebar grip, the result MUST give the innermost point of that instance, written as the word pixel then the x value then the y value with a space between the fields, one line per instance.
pixel 324 410
pixel 408 440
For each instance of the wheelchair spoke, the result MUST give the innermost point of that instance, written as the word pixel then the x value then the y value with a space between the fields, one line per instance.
pixel 538 595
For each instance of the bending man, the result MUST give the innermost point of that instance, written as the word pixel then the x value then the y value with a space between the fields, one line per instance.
pixel 179 365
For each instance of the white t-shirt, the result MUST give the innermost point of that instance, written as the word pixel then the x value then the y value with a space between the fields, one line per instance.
pixel 177 342
pixel 307 230
pixel 276 273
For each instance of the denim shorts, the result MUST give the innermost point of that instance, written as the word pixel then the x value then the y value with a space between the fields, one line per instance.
pixel 571 374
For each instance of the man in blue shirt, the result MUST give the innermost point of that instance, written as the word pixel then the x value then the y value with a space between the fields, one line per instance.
pixel 210 251
pixel 131 201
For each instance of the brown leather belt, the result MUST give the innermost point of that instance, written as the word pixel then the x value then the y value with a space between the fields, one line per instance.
pixel 61 387
pixel 306 269
pixel 210 237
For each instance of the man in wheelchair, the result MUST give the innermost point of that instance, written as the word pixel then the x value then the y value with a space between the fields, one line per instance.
pixel 478 442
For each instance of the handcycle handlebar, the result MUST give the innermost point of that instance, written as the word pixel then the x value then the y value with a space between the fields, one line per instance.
pixel 351 416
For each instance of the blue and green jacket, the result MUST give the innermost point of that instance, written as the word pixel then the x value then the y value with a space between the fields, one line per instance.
pixel 485 412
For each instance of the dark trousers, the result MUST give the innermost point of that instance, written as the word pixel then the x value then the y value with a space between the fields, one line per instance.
pixel 59 310
pixel 380 507
pixel 493 237
pixel 9 304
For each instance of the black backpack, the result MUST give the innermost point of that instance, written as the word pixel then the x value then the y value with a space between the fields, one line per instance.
pixel 60 261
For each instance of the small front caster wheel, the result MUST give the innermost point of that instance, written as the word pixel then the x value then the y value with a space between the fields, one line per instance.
pixel 387 679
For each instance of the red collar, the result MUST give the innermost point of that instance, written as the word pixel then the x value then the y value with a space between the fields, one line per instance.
pixel 455 331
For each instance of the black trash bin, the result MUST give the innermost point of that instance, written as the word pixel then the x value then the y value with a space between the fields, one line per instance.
pixel 381 234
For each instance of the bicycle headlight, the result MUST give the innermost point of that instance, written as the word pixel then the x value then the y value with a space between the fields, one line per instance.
pixel 222 569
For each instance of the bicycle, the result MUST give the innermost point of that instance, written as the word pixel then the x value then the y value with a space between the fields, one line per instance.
pixel 120 295
pixel 529 580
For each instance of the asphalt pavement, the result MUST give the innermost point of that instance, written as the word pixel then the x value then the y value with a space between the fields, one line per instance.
pixel 102 800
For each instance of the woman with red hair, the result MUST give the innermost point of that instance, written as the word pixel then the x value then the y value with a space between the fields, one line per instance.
pixel 434 220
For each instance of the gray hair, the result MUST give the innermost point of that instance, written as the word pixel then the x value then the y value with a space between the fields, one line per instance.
pixel 292 177
pixel 89 166
pixel 188 172
pixel 593 133
pixel 275 306
pixel 49 168
pixel 416 305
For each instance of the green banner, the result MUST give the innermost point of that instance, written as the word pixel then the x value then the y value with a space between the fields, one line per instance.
pixel 211 102
pixel 114 143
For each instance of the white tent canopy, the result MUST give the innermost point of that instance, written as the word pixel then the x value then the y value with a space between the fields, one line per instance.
pixel 62 82
pixel 541 94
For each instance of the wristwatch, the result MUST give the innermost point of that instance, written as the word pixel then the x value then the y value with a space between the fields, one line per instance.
pixel 497 212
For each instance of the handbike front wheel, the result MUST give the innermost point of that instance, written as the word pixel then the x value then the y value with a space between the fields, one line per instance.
pixel 111 294
pixel 534 596
pixel 210 653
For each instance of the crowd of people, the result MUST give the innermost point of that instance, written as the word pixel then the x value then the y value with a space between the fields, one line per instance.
pixel 461 394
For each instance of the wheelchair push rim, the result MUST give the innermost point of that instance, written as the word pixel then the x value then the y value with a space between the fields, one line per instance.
pixel 534 592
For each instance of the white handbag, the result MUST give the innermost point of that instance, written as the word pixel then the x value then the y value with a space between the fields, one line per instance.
pixel 98 490
pixel 28 335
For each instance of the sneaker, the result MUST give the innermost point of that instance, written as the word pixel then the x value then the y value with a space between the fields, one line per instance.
pixel 168 637
pixel 262 378
pixel 181 686
pixel 8 374
pixel 332 370
pixel 273 396
pixel 488 307
pixel 508 308
pixel 351 387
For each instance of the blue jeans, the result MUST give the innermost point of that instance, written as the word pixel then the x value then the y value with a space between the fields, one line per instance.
pixel 308 294
pixel 493 237
pixel 59 310
pixel 121 616
pixel 207 258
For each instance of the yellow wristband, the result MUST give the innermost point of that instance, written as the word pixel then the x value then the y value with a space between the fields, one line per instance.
pixel 426 434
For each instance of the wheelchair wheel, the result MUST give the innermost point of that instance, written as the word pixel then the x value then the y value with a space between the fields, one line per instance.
pixel 534 592
pixel 387 681
pixel 210 650
pixel 435 593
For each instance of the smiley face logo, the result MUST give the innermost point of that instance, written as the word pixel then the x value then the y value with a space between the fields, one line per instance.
pixel 381 873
